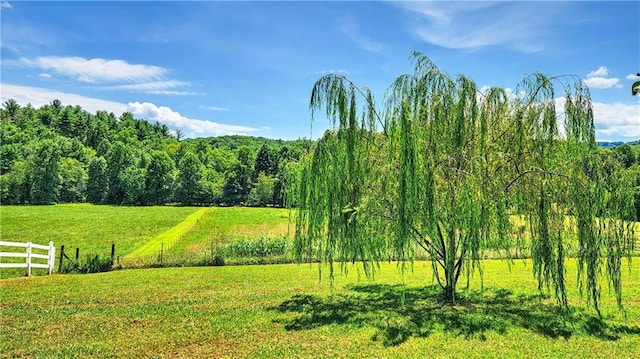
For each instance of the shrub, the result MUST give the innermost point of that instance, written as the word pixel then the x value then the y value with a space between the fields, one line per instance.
pixel 260 247
pixel 91 264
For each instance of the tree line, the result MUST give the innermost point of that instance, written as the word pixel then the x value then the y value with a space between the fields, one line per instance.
pixel 64 154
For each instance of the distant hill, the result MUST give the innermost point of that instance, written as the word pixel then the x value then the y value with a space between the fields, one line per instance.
pixel 607 144
pixel 233 142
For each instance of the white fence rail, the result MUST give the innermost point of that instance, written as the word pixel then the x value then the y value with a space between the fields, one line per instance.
pixel 29 256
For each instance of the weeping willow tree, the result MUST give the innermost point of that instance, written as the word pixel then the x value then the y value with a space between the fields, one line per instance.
pixel 444 170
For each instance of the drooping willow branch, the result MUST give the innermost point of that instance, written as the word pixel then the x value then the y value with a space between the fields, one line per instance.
pixel 540 171
pixel 449 167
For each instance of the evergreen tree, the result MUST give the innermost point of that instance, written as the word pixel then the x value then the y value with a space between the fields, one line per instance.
pixel 262 192
pixel 265 162
pixel 97 181
pixel 45 173
pixel 119 158
pixel 11 111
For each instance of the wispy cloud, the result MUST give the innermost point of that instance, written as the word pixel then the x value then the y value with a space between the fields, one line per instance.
pixel 37 97
pixel 96 70
pixel 6 5
pixel 117 75
pixel 155 87
pixel 216 108
pixel 351 30
pixel 512 24
pixel 191 127
pixel 601 71
pixel 598 79
pixel 326 72
pixel 632 77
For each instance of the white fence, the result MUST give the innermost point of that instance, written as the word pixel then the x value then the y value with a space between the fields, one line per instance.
pixel 29 256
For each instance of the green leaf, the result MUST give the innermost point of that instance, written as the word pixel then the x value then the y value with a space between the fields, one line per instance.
pixel 635 88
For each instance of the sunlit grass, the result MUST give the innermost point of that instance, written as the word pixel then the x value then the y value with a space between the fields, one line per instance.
pixel 222 224
pixel 91 228
pixel 88 227
pixel 238 311
pixel 168 238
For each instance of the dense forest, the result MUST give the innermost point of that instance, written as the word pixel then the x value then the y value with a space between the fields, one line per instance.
pixel 61 153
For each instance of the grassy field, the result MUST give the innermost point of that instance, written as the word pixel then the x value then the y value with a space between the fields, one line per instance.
pixel 222 224
pixel 184 232
pixel 283 311
pixel 88 227
pixel 171 236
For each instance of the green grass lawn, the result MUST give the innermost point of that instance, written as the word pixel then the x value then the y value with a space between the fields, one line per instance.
pixel 222 224
pixel 93 228
pixel 283 311
pixel 88 227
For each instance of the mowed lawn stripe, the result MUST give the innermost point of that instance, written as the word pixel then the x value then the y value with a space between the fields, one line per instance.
pixel 167 239
pixel 92 228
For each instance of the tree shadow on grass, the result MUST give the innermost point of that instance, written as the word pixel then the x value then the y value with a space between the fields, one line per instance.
pixel 398 312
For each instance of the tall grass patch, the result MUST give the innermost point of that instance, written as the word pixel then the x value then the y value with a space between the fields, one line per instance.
pixel 235 227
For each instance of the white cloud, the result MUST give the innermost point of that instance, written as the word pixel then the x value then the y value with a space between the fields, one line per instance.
pixel 518 25
pixel 6 5
pixel 617 120
pixel 96 70
pixel 216 108
pixel 38 97
pixel 45 76
pixel 632 77
pixel 351 30
pixel 598 79
pixel 601 82
pixel 600 72
pixel 114 74
pixel 155 87
pixel 191 127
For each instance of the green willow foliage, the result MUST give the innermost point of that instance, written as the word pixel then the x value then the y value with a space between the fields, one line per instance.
pixel 450 171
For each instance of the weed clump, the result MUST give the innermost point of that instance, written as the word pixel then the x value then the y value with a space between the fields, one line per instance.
pixel 91 264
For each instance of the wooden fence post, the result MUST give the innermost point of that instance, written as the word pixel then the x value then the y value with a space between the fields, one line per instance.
pixel 61 257
pixel 28 259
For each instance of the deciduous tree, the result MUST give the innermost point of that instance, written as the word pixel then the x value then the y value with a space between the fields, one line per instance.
pixel 445 169
pixel 159 180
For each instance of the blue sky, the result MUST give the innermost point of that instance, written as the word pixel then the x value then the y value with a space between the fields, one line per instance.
pixel 213 68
